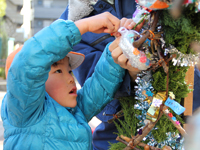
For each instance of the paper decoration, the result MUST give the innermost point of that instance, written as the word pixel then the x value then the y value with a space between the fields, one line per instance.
pixel 175 106
pixel 156 102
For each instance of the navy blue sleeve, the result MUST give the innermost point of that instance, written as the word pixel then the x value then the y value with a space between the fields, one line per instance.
pixel 196 95
pixel 65 14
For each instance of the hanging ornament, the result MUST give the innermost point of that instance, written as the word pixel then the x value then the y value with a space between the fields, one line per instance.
pixel 137 58
pixel 154 4
pixel 175 106
pixel 140 14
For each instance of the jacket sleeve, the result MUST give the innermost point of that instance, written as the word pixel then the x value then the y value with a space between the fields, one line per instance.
pixel 92 55
pixel 29 71
pixel 100 88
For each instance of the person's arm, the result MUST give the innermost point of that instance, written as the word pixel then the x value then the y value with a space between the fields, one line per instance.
pixel 101 87
pixel 103 23
pixel 31 65
pixel 29 71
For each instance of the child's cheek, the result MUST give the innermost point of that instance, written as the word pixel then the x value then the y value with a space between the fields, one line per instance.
pixel 53 86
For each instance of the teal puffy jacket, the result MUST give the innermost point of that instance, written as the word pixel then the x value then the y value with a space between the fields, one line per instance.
pixel 31 118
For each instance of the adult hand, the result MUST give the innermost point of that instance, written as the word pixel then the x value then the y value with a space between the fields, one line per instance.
pixel 117 53
pixel 121 59
pixel 102 23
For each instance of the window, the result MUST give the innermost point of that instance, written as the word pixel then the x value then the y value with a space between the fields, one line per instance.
pixel 40 23
pixel 19 8
pixel 40 2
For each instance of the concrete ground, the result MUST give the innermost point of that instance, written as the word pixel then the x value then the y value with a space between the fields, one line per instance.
pixel 93 123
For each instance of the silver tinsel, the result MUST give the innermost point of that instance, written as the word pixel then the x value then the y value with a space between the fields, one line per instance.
pixel 182 59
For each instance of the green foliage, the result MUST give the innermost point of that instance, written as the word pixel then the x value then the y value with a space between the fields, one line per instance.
pixel 180 89
pixel 176 84
pixel 4 40
pixel 117 146
pixel 4 46
pixel 2 73
pixel 176 81
pixel 184 30
pixel 128 126
pixel 129 123
pixel 180 33
pixel 2 8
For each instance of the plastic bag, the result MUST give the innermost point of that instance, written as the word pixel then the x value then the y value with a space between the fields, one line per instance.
pixel 136 57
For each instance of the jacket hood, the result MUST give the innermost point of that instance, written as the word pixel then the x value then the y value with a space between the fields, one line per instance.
pixel 79 9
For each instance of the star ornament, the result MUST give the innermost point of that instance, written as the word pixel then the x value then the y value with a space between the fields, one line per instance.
pixel 171 94
pixel 178 123
pixel 149 93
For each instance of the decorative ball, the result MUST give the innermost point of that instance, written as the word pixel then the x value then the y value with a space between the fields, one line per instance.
pixel 146 147
pixel 136 51
pixel 170 115
pixel 140 132
pixel 143 59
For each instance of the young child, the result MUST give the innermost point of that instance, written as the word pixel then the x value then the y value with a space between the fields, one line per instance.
pixel 42 108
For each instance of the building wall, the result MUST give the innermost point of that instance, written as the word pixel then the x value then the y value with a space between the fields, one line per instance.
pixel 24 18
pixel 14 20
pixel 27 13
pixel 45 12
pixel 17 2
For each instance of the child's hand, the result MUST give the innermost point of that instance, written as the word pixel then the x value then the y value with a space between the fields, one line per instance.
pixel 120 58
pixel 102 23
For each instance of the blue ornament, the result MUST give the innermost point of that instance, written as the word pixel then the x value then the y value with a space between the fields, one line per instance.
pixel 149 93
pixel 147 62
pixel 174 118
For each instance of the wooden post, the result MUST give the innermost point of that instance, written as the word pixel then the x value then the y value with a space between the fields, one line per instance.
pixel 188 101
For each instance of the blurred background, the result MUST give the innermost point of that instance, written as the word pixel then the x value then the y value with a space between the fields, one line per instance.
pixel 20 20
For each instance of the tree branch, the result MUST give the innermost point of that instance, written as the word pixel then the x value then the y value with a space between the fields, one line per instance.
pixel 179 127
pixel 141 40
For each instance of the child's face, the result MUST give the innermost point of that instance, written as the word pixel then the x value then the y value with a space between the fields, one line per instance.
pixel 61 84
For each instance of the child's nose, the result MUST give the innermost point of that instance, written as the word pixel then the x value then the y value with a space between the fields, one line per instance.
pixel 71 79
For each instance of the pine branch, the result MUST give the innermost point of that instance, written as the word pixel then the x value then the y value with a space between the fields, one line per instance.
pixel 147 129
pixel 126 143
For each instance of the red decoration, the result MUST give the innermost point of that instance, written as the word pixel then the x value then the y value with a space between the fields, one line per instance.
pixel 170 115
